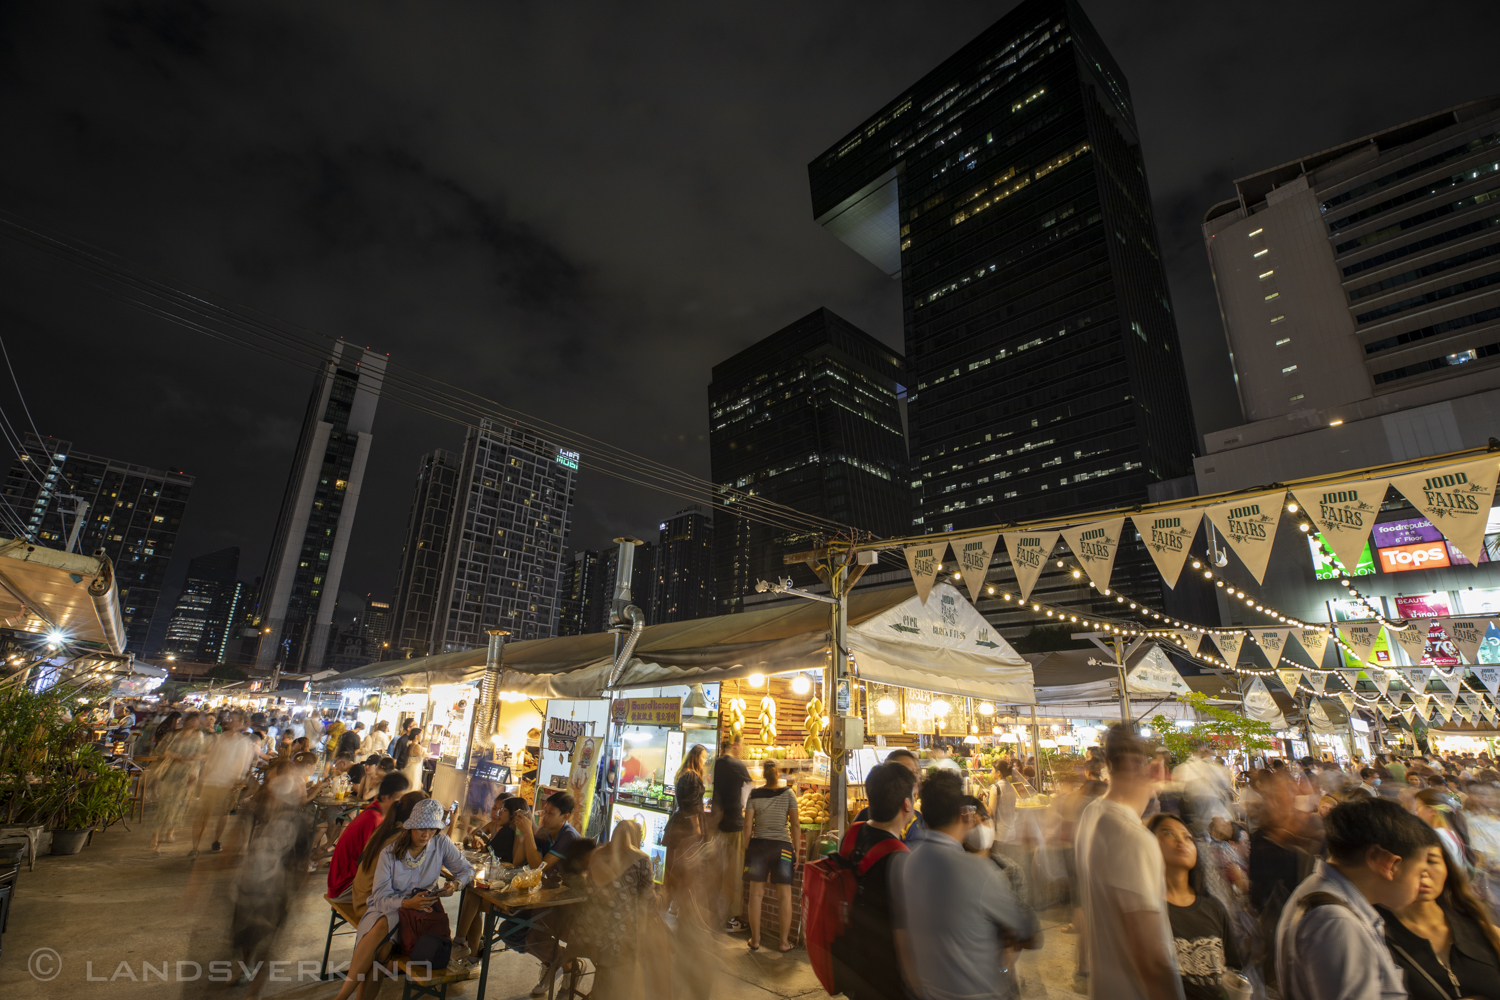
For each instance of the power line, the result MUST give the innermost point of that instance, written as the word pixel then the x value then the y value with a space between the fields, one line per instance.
pixel 301 348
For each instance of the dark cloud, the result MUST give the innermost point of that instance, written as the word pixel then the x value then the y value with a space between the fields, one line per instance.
pixel 574 211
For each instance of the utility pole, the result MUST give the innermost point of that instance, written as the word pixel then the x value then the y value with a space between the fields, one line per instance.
pixel 79 513
pixel 1119 653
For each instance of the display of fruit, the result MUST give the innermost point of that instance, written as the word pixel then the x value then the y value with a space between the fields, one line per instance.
pixel 737 717
pixel 767 719
pixel 812 808
pixel 814 724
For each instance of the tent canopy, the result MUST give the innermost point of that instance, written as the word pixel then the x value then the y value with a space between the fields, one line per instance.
pixel 790 635
pixel 42 589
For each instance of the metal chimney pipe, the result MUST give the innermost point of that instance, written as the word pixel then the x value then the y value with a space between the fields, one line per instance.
pixel 624 570
pixel 489 690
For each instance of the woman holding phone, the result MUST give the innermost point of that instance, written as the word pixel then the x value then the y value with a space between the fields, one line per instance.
pixel 404 871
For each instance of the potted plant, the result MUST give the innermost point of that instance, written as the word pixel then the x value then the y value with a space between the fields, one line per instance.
pixel 85 793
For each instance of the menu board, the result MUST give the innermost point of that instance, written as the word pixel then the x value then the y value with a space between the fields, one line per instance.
pixel 916 711
pixel 882 710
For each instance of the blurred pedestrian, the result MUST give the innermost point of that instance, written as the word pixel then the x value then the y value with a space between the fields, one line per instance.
pixel 773 851
pixel 1131 952
pixel 958 910
pixel 174 779
pixel 230 757
pixel 727 824
pixel 619 914
pixel 1330 942
pixel 1205 940
pixel 1444 941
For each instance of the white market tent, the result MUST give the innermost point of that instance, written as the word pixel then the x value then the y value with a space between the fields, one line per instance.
pixel 944 646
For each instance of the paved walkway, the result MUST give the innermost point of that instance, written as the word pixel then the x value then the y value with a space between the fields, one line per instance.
pixel 116 920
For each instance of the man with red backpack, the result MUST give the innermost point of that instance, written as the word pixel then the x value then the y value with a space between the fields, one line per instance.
pixel 866 958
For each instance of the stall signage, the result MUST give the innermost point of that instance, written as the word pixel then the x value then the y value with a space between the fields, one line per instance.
pixel 563 733
pixel 648 711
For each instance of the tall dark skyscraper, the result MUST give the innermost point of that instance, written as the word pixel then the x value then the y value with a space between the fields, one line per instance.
pixel 375 627
pixel 808 418
pixel 133 513
pixel 204 616
pixel 682 578
pixel 427 528
pixel 1007 191
pixel 306 558
pixel 503 561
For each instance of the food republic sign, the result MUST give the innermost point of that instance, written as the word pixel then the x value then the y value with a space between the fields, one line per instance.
pixel 648 711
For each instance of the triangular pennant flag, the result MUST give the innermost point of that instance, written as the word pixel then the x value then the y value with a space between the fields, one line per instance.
pixel 1416 678
pixel 1466 634
pixel 1465 713
pixel 1386 710
pixel 1169 537
pixel 1456 499
pixel 1487 712
pixel 1421 701
pixel 1408 714
pixel 1344 515
pixel 1347 699
pixel 1155 674
pixel 923 560
pixel 1315 641
pixel 1289 679
pixel 1412 640
pixel 1260 706
pixel 1317 717
pixel 1453 681
pixel 1095 546
pixel 1231 645
pixel 1380 678
pixel 1249 525
pixel 1317 682
pixel 1272 642
pixel 1029 552
pixel 1360 638
pixel 1190 640
pixel 973 556
pixel 1488 676
pixel 1351 678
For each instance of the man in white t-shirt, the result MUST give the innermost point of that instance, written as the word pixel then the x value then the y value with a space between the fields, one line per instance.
pixel 230 757
pixel 1131 955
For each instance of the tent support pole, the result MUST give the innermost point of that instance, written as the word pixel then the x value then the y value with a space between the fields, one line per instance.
pixel 838 784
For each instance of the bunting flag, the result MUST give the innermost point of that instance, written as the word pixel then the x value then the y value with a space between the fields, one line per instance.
pixel 1412 640
pixel 1029 552
pixel 1231 645
pixel 1416 678
pixel 1421 701
pixel 1315 641
pixel 1168 538
pixel 1380 678
pixel 1289 679
pixel 1095 546
pixel 1272 642
pixel 1317 717
pixel 974 561
pixel 1317 682
pixel 1386 709
pixel 1408 714
pixel 1348 701
pixel 1453 682
pixel 1489 677
pixel 1448 701
pixel 1249 525
pixel 1155 674
pixel 1360 638
pixel 1344 515
pixel 1456 499
pixel 923 560
pixel 1190 639
pixel 1487 712
pixel 1260 706
pixel 1351 678
pixel 1467 634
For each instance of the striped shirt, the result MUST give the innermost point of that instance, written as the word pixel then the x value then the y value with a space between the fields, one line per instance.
pixel 770 806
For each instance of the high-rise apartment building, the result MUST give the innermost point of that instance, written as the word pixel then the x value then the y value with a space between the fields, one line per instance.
pixel 419 580
pixel 306 558
pixel 204 616
pixel 503 558
pixel 1360 290
pixel 580 582
pixel 682 574
pixel 1007 190
pixel 808 418
pixel 131 512
pixel 375 627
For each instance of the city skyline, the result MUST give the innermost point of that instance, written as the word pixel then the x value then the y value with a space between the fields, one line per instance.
pixel 726 300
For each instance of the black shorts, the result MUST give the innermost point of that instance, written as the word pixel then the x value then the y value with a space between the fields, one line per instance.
pixel 771 861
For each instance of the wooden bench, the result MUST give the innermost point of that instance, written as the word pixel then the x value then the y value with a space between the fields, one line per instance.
pixel 343 914
pixel 417 983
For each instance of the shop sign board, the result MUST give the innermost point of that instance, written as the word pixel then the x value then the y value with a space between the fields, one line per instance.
pixel 563 733
pixel 648 711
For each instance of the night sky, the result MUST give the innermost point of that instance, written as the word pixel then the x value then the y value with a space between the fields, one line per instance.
pixel 574 213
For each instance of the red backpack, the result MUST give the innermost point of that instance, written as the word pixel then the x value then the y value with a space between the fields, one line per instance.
pixel 828 888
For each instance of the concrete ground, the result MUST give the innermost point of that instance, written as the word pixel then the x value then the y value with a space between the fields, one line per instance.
pixel 116 921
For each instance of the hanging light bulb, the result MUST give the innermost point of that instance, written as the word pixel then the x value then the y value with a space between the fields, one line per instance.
pixel 801 685
pixel 886 706
pixel 986 708
pixel 940 708
pixel 757 680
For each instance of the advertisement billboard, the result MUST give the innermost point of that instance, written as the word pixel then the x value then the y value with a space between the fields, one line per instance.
pixel 1439 650
pixel 1408 538
pixel 1420 555
pixel 1328 567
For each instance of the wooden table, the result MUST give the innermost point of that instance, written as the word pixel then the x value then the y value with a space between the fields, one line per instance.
pixel 513 905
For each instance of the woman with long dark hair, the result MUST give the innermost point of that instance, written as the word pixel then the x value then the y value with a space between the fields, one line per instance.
pixel 1444 942
pixel 1440 810
pixel 175 777
pixel 167 727
pixel 1200 924
pixel 385 833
